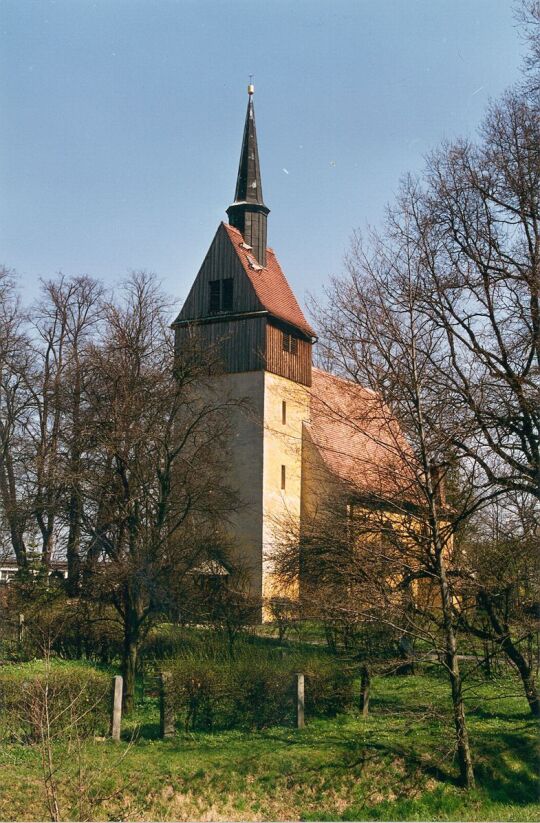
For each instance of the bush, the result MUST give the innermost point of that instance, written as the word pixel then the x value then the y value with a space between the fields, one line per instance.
pixel 92 632
pixel 69 701
pixel 254 693
pixel 56 624
pixel 168 641
pixel 328 687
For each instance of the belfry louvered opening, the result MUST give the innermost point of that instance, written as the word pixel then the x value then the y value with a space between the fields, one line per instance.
pixel 290 343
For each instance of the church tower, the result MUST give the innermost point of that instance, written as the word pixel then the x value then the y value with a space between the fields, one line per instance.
pixel 241 303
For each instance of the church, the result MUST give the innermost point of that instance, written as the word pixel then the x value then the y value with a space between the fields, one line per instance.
pixel 304 443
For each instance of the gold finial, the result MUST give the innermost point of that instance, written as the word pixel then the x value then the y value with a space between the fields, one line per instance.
pixel 251 87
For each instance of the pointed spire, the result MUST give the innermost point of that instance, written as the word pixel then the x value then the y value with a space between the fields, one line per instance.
pixel 248 183
pixel 248 212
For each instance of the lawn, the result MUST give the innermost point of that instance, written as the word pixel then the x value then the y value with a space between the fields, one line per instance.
pixel 396 764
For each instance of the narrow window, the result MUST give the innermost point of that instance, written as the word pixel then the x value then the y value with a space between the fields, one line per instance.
pixel 294 345
pixel 283 477
pixel 283 412
pixel 215 295
pixel 227 294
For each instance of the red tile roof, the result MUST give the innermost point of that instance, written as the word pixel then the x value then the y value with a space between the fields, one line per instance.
pixel 270 284
pixel 359 440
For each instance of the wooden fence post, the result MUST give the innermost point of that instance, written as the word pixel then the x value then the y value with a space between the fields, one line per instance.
pixel 299 701
pixel 166 707
pixel 116 718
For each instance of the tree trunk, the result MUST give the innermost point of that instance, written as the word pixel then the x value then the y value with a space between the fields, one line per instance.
pixel 486 662
pixel 8 491
pixel 47 539
pixel 463 748
pixel 365 684
pixel 73 546
pixel 129 668
pixel 18 544
pixel 330 637
pixel 75 506
pixel 466 771
pixel 406 652
pixel 513 653
pixel 531 692
pixel 231 637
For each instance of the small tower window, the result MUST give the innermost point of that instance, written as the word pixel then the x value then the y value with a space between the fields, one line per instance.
pixel 221 295
pixel 215 295
pixel 283 412
pixel 290 343
pixel 227 294
pixel 283 477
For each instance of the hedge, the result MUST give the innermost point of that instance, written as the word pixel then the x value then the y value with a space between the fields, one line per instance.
pixel 254 694
pixel 77 702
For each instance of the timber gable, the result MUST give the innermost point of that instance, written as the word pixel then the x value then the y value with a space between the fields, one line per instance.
pixel 221 262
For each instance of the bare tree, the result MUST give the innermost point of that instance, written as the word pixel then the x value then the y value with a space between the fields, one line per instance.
pixel 528 15
pixel 155 496
pixel 15 410
pixel 374 332
pixel 112 448
pixel 440 317
pixel 474 222
pixel 64 324
pixel 499 585
pixel 42 374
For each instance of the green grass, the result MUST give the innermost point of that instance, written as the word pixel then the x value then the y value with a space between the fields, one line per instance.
pixel 303 631
pixel 398 764
pixel 23 671
pixel 170 641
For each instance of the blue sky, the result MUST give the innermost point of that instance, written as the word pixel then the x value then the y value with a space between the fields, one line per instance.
pixel 122 122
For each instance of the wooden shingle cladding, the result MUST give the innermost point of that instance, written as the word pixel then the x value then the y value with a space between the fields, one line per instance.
pixel 221 262
pixel 237 345
pixel 294 366
pixel 248 343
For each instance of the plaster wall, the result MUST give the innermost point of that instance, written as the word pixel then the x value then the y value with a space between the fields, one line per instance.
pixel 322 493
pixel 282 461
pixel 245 474
pixel 261 443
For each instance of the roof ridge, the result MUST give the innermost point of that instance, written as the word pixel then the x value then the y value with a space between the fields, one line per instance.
pixel 345 380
